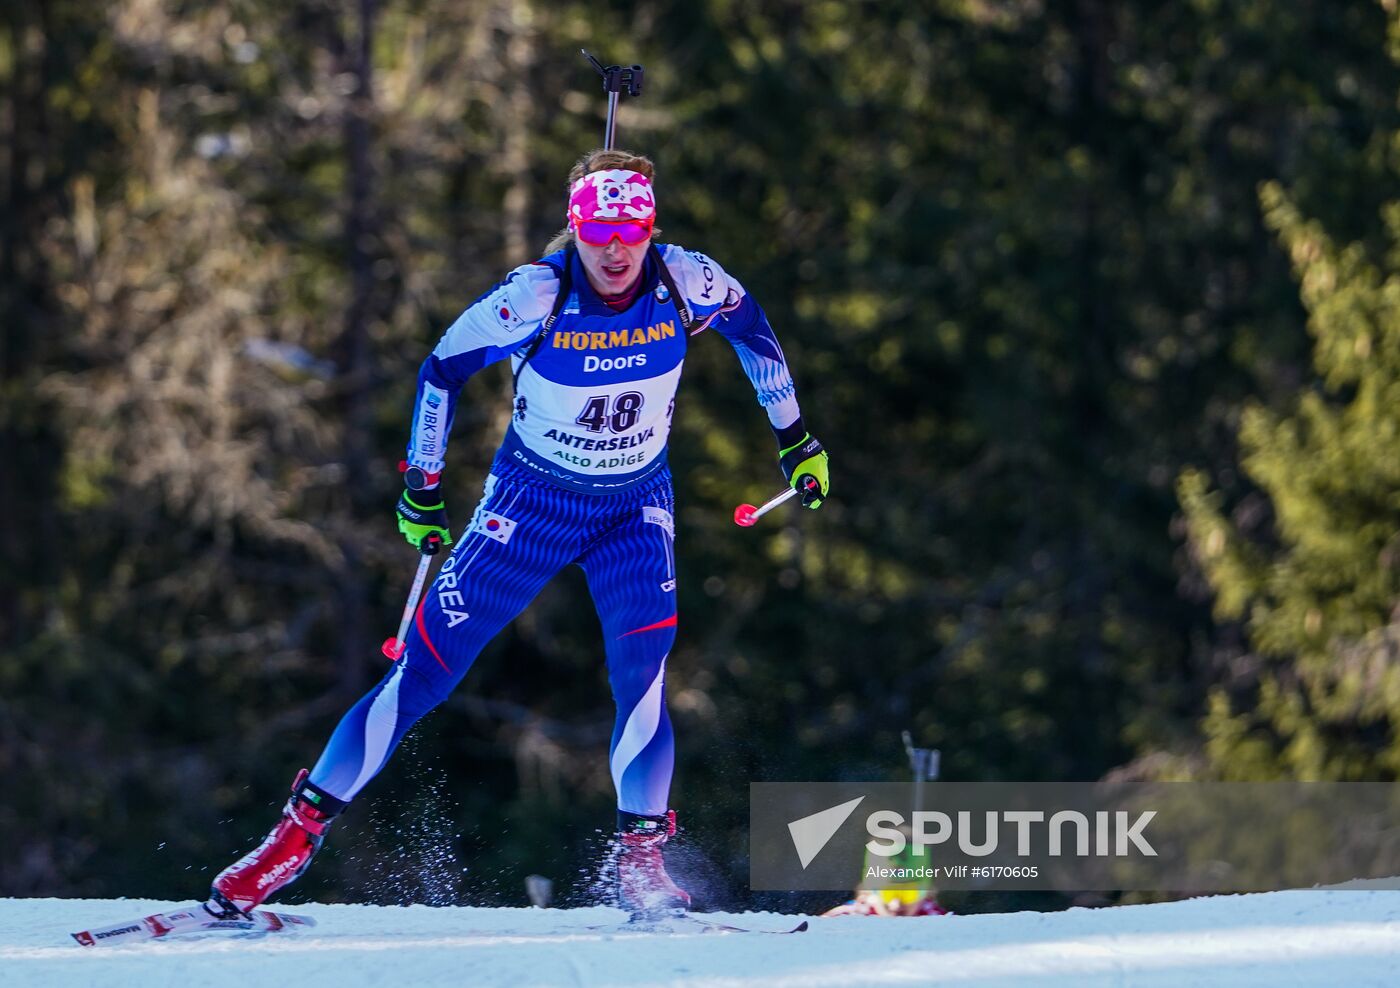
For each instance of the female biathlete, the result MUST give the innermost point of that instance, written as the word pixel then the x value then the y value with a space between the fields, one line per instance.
pixel 596 332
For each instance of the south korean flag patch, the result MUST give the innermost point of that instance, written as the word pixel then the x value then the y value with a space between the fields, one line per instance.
pixel 495 526
pixel 506 316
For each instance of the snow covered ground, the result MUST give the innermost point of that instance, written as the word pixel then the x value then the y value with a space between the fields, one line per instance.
pixel 1340 939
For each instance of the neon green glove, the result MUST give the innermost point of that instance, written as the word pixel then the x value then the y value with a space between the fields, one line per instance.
pixel 807 459
pixel 419 521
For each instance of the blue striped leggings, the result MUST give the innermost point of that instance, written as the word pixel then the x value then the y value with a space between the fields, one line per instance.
pixel 523 532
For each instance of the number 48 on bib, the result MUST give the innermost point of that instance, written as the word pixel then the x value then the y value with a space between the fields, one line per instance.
pixel 625 409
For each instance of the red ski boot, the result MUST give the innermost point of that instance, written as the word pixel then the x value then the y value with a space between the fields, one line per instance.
pixel 282 857
pixel 642 883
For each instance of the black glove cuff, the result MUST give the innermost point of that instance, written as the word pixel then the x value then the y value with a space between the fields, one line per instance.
pixel 421 514
pixel 790 435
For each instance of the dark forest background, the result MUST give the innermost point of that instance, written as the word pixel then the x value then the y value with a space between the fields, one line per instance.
pixel 1096 304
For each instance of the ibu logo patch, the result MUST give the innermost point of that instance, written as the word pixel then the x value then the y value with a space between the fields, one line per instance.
pixel 653 515
pixel 495 526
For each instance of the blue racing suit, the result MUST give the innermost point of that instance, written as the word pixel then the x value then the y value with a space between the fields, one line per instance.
pixel 581 477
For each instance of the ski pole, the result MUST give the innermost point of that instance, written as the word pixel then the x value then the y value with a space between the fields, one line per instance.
pixel 393 647
pixel 925 763
pixel 746 515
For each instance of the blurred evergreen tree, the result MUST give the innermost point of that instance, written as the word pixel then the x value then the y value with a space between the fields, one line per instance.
pixel 51 59
pixel 1311 563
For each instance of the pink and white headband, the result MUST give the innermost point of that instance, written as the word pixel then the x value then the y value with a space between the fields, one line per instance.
pixel 614 195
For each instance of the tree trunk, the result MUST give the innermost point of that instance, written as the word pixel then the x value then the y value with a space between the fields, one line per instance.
pixel 362 237
pixel 30 455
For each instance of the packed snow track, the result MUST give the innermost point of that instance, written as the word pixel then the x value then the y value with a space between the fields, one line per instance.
pixel 1333 938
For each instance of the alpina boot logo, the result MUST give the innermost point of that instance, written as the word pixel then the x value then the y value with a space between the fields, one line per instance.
pixel 278 870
